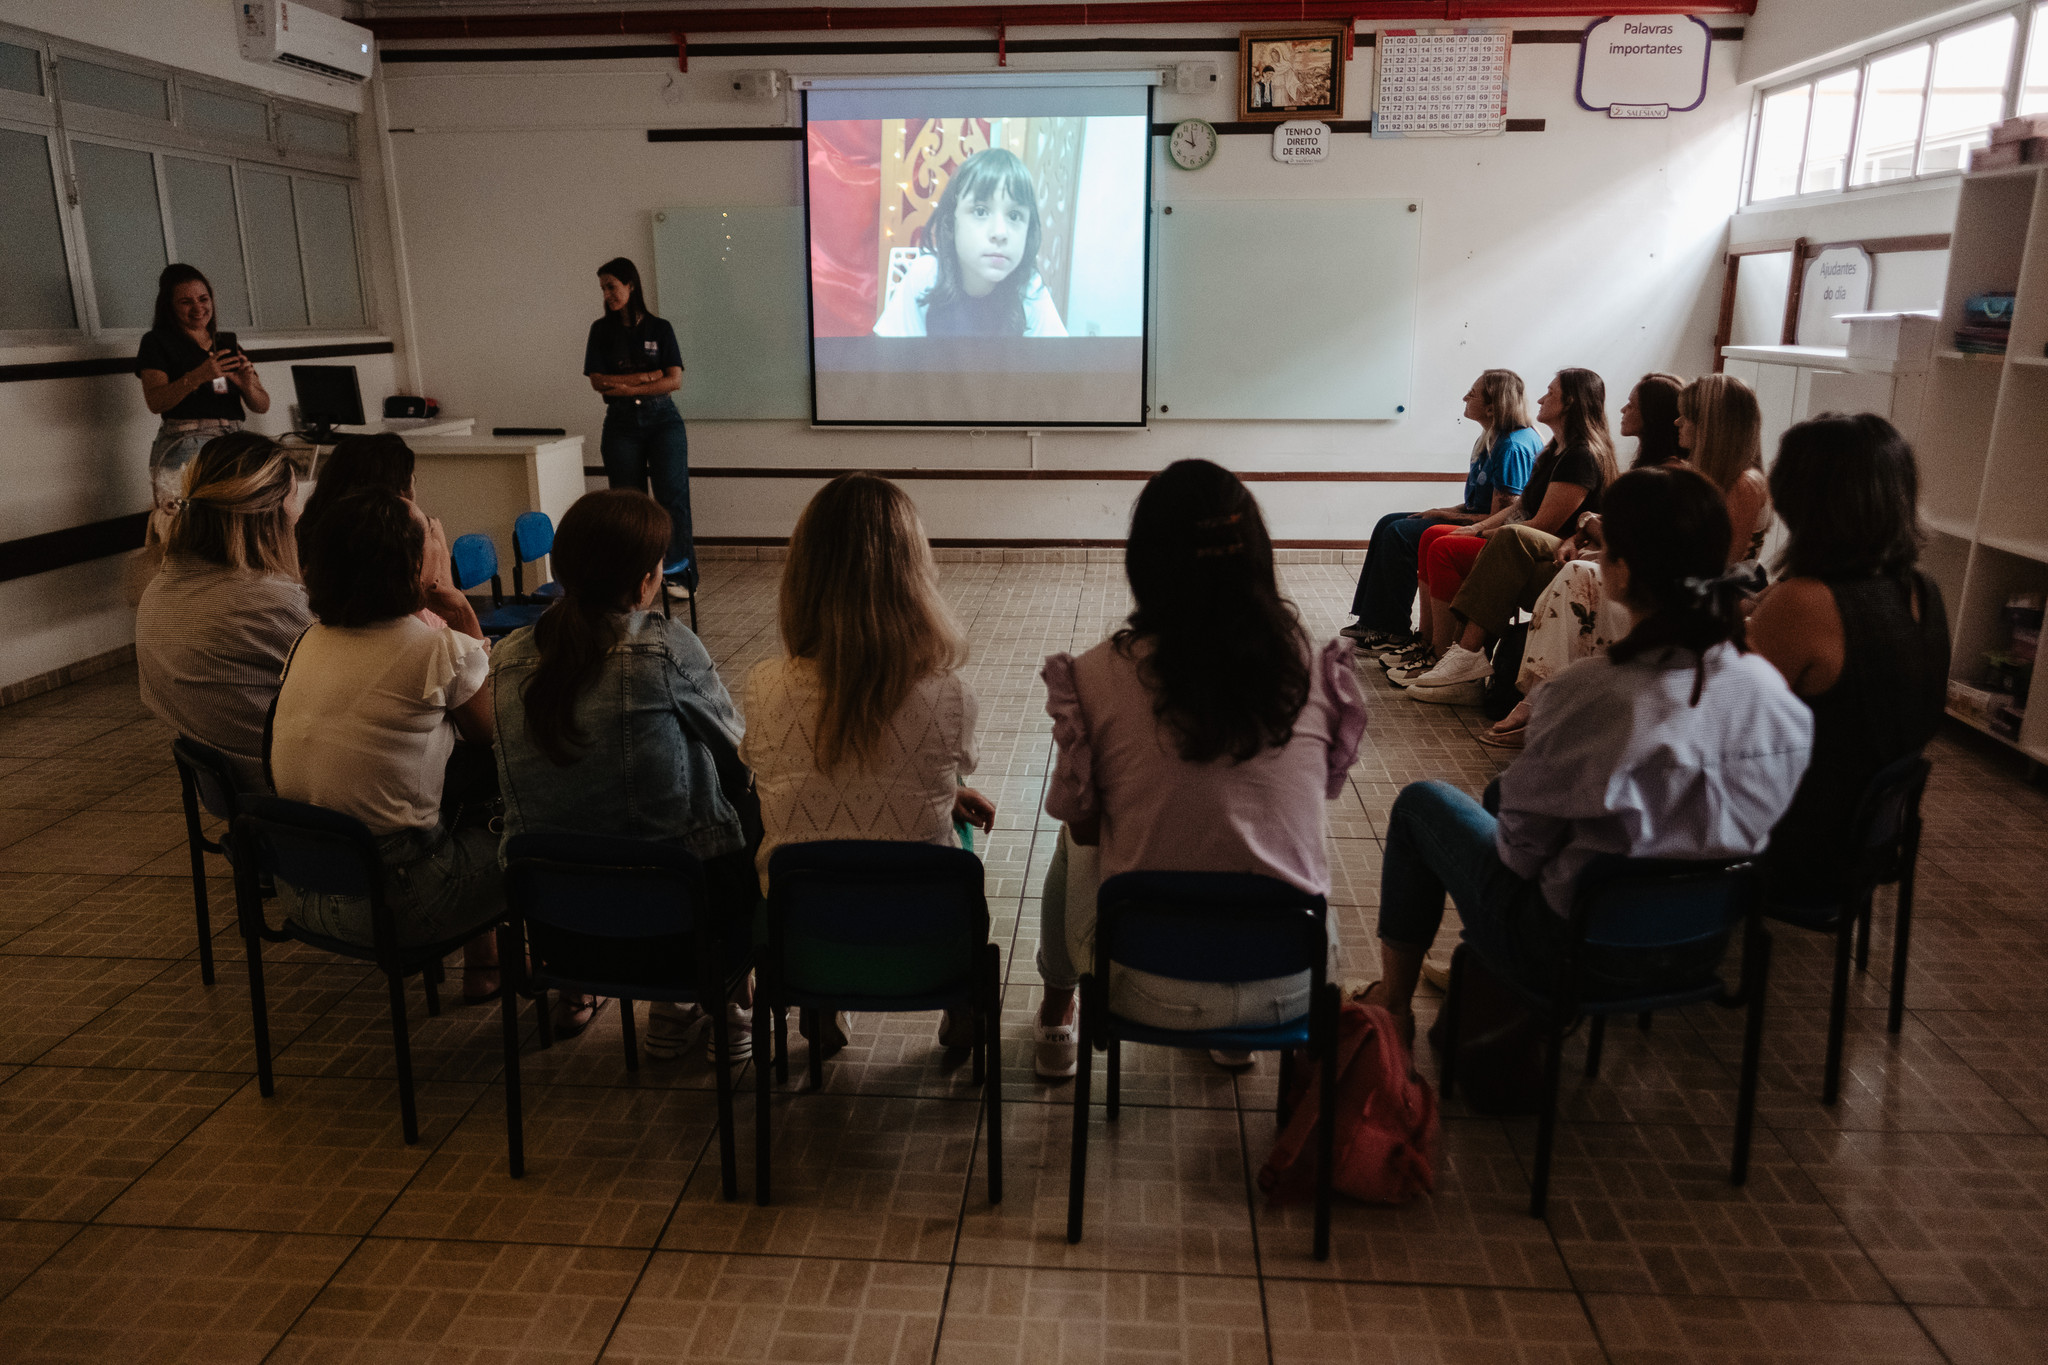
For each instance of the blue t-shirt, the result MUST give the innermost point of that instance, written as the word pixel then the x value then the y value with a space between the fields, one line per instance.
pixel 1504 469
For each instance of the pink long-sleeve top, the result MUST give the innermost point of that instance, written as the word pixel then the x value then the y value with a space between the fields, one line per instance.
pixel 1160 812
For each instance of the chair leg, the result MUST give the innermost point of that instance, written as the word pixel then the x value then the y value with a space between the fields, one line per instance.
pixel 195 845
pixel 782 1046
pixel 630 1032
pixel 259 1015
pixel 1596 1036
pixel 1546 1120
pixel 1454 999
pixel 992 1013
pixel 721 1048
pixel 1077 1175
pixel 1838 1012
pixel 977 1068
pixel 1113 1093
pixel 1752 1057
pixel 508 1010
pixel 431 979
pixel 1902 934
pixel 1281 1112
pixel 761 1031
pixel 401 1043
pixel 1326 1123
pixel 544 1020
pixel 693 611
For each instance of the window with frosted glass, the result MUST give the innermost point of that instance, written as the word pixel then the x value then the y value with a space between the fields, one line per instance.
pixel 21 68
pixel 124 230
pixel 2034 84
pixel 204 228
pixel 275 280
pixel 110 87
pixel 311 133
pixel 207 112
pixel 1780 134
pixel 1891 117
pixel 1967 94
pixel 1828 132
pixel 35 284
pixel 327 241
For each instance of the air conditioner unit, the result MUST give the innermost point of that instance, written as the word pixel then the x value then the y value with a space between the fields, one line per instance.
pixel 305 39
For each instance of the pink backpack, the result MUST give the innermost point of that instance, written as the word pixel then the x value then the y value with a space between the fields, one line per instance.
pixel 1385 1145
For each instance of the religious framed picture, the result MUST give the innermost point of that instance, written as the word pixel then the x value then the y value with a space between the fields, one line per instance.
pixel 1291 73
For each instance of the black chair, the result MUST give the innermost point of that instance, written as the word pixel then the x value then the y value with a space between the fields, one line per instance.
pixel 325 852
pixel 881 928
pixel 206 781
pixel 1211 927
pixel 1884 848
pixel 680 568
pixel 624 918
pixel 1636 919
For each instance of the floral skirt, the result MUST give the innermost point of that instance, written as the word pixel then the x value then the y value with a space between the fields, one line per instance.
pixel 1573 619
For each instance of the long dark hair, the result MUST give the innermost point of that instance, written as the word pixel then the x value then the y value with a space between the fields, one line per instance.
pixel 361 562
pixel 975 181
pixel 377 460
pixel 1228 662
pixel 173 275
pixel 1669 525
pixel 1656 398
pixel 1585 420
pixel 625 272
pixel 1848 490
pixel 606 546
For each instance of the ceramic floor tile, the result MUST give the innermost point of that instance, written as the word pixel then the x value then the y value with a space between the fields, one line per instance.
pixel 1987 1336
pixel 72 1139
pixel 353 1037
pixel 997 1315
pixel 1361 1324
pixel 319 1156
pixel 159 1294
pixel 465 1303
pixel 29 900
pixel 132 917
pixel 1711 1331
pixel 603 1168
pixel 102 841
pixel 2005 1050
pixel 176 1023
pixel 708 1309
pixel 25 1246
pixel 27 735
pixel 53 997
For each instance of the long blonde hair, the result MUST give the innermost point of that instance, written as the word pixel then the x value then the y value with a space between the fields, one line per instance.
pixel 860 601
pixel 1507 405
pixel 236 509
pixel 1727 428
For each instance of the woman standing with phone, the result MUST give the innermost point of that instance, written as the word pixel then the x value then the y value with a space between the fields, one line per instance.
pixel 197 379
pixel 633 360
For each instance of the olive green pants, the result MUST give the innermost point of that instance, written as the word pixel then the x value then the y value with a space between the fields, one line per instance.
pixel 1509 575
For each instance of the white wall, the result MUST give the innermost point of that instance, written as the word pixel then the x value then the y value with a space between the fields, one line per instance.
pixel 1786 34
pixel 1593 243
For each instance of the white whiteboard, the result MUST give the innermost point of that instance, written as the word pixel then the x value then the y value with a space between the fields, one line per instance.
pixel 1281 309
pixel 731 282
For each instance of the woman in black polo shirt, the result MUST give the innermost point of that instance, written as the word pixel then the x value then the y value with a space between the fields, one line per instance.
pixel 200 389
pixel 633 360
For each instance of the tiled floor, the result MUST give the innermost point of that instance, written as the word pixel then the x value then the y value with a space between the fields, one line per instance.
pixel 152 1206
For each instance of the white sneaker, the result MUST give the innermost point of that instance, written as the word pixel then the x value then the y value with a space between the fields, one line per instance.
pixel 672 1029
pixel 677 592
pixel 739 1036
pixel 1231 1061
pixel 1459 665
pixel 1450 694
pixel 1057 1050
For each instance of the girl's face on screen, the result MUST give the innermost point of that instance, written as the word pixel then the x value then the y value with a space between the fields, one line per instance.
pixel 988 236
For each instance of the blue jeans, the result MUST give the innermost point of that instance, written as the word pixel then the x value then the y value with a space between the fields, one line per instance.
pixel 645 442
pixel 1441 840
pixel 1386 586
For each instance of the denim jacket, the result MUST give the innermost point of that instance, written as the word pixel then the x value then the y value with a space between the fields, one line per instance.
pixel 641 775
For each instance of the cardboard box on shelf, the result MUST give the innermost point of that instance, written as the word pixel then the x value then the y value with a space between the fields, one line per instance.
pixel 2019 129
pixel 1997 157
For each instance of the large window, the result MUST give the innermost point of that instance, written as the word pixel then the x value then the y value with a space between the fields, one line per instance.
pixel 110 168
pixel 1903 113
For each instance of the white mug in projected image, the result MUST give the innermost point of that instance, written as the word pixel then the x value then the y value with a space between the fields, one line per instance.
pixel 978 251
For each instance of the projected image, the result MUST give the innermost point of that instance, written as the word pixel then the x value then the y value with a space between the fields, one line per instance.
pixel 978 227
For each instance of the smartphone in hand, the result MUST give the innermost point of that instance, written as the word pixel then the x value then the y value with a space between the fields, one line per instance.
pixel 224 342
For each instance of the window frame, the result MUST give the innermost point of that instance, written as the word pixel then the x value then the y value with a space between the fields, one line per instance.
pixel 2026 16
pixel 61 123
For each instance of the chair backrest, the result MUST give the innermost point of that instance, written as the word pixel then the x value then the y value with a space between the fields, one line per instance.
pixel 310 847
pixel 1210 926
pixel 211 776
pixel 874 917
pixel 1659 918
pixel 475 560
pixel 1888 818
pixel 533 535
pixel 618 916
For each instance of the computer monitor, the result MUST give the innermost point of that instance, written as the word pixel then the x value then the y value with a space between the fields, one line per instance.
pixel 328 398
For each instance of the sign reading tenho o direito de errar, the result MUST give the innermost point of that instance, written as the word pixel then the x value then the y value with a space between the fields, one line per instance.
pixel 1299 143
pixel 1644 65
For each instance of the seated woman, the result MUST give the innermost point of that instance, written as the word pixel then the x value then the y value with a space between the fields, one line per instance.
pixel 865 729
pixel 1674 744
pixel 1501 459
pixel 1858 631
pixel 603 711
pixel 216 623
pixel 375 460
pixel 1513 544
pixel 1205 736
pixel 374 708
pixel 1717 428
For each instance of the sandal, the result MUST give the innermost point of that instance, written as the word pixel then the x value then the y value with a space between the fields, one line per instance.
pixel 1497 738
pixel 573 1014
pixel 471 996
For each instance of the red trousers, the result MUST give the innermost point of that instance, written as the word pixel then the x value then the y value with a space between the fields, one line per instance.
pixel 1442 560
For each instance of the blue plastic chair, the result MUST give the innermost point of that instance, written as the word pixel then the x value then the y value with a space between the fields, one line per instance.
pixel 877 927
pixel 322 851
pixel 1210 927
pixel 679 568
pixel 475 562
pixel 625 918
pixel 1884 848
pixel 1639 919
pixel 205 781
pixel 533 538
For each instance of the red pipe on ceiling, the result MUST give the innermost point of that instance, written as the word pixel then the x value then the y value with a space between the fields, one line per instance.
pixel 820 19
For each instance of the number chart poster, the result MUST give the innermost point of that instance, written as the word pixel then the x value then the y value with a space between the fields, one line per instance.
pixel 1441 82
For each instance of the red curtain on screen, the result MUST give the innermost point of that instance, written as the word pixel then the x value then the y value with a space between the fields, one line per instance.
pixel 846 174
